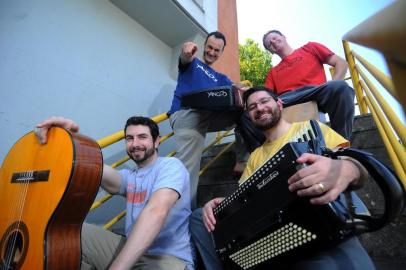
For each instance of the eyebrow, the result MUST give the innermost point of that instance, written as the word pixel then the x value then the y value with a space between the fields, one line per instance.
pixel 259 100
pixel 211 47
pixel 138 135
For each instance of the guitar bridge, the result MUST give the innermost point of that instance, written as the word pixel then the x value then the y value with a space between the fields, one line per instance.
pixel 30 176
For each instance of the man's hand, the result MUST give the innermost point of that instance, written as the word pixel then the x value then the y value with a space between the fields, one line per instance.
pixel 42 128
pixel 340 66
pixel 241 87
pixel 189 51
pixel 208 216
pixel 323 179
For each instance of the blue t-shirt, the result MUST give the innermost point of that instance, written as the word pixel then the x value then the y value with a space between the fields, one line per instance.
pixel 139 184
pixel 194 77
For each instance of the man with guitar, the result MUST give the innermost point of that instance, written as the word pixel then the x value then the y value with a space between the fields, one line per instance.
pixel 323 179
pixel 158 204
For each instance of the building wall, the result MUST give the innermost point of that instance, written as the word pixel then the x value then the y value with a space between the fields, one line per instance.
pixel 203 11
pixel 85 60
pixel 94 62
pixel 228 25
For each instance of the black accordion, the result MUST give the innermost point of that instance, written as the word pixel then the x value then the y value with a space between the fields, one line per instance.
pixel 221 98
pixel 262 224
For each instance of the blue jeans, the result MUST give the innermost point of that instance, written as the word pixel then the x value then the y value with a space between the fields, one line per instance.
pixel 203 241
pixel 348 255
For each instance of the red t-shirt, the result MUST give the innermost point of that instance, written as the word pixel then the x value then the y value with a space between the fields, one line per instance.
pixel 303 67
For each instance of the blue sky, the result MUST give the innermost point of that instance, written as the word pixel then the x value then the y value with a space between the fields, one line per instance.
pixel 301 21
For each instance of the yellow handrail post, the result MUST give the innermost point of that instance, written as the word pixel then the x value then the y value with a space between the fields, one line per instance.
pixel 355 78
pixel 114 220
pixel 106 141
pixel 100 202
pixel 217 140
pixel 381 77
pixel 331 69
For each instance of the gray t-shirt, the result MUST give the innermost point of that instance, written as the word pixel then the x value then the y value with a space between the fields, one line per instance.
pixel 139 184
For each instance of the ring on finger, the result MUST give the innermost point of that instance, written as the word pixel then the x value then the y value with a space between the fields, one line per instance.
pixel 321 187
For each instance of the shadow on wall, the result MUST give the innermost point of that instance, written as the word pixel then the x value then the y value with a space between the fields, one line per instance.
pixel 162 102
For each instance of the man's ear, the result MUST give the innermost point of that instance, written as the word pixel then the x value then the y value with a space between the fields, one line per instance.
pixel 157 141
pixel 280 103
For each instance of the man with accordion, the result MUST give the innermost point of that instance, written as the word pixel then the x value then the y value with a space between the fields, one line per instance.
pixel 319 179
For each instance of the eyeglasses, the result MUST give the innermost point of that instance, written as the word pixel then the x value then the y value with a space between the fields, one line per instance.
pixel 254 105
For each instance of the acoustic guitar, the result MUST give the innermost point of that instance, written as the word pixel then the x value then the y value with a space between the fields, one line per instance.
pixel 45 194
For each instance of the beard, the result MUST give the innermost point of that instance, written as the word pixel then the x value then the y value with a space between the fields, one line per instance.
pixel 138 158
pixel 271 121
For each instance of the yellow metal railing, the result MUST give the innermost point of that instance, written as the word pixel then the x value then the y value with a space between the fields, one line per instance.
pixel 386 32
pixel 106 141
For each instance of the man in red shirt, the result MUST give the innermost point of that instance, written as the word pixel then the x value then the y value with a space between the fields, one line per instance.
pixel 300 77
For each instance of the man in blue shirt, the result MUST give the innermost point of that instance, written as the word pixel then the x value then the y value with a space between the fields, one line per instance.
pixel 191 125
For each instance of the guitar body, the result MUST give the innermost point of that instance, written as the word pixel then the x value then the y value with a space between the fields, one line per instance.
pixel 45 194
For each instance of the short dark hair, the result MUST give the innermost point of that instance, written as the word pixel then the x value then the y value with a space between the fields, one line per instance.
pixel 267 33
pixel 218 35
pixel 143 121
pixel 252 90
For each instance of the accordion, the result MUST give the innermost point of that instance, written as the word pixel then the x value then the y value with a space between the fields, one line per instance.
pixel 220 98
pixel 263 224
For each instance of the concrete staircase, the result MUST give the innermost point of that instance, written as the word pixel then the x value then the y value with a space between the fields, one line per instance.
pixel 387 247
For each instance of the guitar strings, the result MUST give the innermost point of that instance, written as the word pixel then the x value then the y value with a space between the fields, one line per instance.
pixel 13 217
pixel 19 204
pixel 12 228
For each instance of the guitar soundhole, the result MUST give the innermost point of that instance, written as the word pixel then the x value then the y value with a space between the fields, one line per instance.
pixel 14 246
